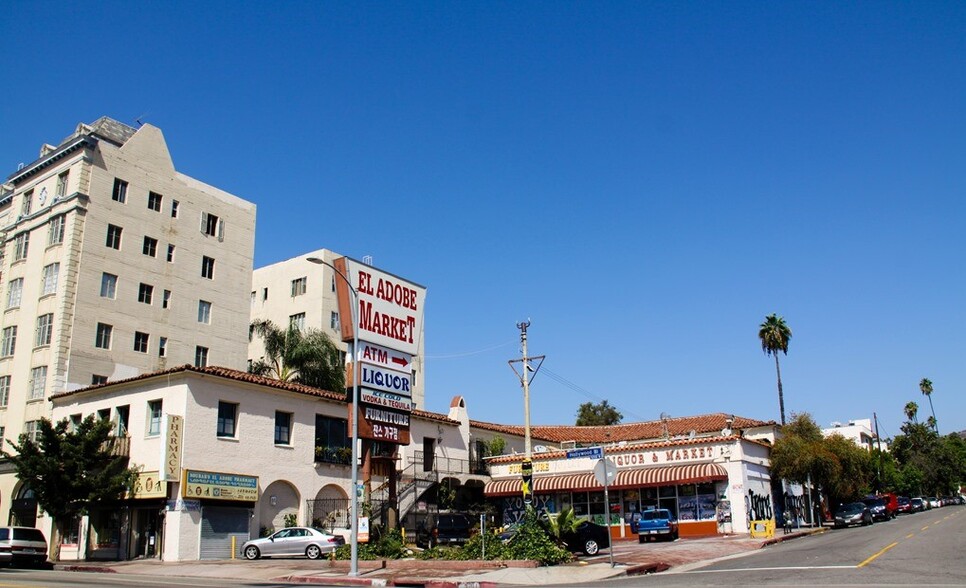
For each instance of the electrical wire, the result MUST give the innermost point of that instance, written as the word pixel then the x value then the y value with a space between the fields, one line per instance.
pixel 469 353
pixel 564 381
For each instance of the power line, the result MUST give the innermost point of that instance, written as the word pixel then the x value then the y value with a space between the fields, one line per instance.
pixel 562 380
pixel 469 353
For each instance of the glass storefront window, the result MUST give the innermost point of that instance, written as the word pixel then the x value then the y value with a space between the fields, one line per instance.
pixel 580 504
pixel 667 492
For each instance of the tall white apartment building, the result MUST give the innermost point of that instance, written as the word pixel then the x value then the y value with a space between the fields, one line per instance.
pixel 299 292
pixel 113 264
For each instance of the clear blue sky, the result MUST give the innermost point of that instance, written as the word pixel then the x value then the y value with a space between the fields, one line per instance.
pixel 644 181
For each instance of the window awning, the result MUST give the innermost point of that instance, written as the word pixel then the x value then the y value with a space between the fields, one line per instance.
pixel 634 478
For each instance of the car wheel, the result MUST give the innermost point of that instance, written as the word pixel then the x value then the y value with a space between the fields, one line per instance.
pixel 313 552
pixel 591 547
pixel 251 552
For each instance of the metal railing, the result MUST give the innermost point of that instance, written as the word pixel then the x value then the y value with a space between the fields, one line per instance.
pixel 329 513
pixel 451 465
pixel 337 455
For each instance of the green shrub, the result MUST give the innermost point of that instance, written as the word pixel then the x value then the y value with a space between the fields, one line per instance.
pixel 495 548
pixel 531 541
pixel 388 545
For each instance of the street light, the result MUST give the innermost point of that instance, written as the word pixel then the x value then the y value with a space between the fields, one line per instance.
pixel 354 493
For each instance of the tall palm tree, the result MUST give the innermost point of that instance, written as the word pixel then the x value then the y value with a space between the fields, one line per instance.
pixel 911 410
pixel 774 335
pixel 925 386
pixel 292 355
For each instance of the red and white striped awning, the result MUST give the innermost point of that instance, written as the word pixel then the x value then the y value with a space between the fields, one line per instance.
pixel 635 478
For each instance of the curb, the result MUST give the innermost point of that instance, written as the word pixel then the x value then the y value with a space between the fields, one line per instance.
pixel 445 584
pixel 781 538
pixel 332 581
pixel 83 568
pixel 648 568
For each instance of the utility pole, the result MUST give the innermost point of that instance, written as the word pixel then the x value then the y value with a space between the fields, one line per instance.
pixel 524 375
pixel 878 462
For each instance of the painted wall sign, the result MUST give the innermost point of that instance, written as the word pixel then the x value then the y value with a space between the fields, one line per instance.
pixel 390 308
pixel 218 486
pixel 149 485
pixel 171 448
pixel 385 399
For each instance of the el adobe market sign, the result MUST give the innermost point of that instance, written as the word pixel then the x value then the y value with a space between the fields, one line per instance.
pixel 390 308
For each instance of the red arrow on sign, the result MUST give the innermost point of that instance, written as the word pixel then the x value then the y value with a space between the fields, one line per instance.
pixel 399 361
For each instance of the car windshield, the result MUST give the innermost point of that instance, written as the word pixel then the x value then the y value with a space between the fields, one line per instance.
pixel 852 508
pixel 654 514
pixel 874 501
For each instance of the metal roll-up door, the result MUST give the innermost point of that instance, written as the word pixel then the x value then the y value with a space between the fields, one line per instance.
pixel 218 525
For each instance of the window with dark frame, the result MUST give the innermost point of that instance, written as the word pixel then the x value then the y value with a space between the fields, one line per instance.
pixel 207 267
pixel 145 293
pixel 141 341
pixel 120 191
pixel 150 246
pixel 103 337
pixel 154 201
pixel 283 428
pixel 227 414
pixel 114 236
pixel 201 356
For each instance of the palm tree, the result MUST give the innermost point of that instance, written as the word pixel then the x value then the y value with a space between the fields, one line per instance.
pixel 925 386
pixel 291 355
pixel 911 410
pixel 774 335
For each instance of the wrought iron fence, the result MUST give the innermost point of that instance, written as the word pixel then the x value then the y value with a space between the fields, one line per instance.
pixel 451 465
pixel 329 513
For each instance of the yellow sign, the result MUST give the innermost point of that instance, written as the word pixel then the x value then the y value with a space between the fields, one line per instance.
pixel 217 486
pixel 149 485
pixel 540 466
pixel 763 529
pixel 171 448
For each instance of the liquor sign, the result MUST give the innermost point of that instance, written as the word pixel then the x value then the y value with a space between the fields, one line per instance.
pixel 383 379
pixel 386 400
pixel 171 448
pixel 218 486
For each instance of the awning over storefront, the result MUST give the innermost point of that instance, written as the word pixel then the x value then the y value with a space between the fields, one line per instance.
pixel 635 478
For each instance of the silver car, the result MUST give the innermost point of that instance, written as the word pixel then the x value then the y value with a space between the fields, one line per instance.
pixel 293 541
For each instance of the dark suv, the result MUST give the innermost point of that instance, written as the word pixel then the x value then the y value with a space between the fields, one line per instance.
pixel 878 508
pixel 443 529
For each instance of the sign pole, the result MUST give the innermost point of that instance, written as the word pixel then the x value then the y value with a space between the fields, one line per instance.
pixel 610 541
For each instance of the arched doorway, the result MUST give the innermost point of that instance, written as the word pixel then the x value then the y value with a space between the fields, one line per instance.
pixel 23 508
pixel 329 510
pixel 278 507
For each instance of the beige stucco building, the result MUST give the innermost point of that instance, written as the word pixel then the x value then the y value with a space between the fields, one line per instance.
pixel 297 291
pixel 114 264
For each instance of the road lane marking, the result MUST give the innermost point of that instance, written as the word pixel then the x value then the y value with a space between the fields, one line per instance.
pixel 910 535
pixel 770 569
pixel 924 528
pixel 881 551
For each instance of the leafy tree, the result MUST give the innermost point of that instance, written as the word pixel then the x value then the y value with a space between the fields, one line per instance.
pixel 928 464
pixel 495 446
pixel 775 335
pixel 843 469
pixel 70 470
pixel 562 523
pixel 925 386
pixel 308 357
pixel 597 415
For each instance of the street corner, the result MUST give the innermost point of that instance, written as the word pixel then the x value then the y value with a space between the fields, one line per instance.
pixel 795 535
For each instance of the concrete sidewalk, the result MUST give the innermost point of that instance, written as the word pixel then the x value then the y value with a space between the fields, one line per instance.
pixel 630 558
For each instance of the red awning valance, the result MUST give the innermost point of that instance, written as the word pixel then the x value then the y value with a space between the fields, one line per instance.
pixel 635 478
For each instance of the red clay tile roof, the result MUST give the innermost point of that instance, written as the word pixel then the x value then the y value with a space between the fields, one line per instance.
pixel 240 376
pixel 630 432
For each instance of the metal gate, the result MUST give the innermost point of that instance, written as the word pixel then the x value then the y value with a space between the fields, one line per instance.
pixel 218 525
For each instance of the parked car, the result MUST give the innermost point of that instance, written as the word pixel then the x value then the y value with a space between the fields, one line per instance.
pixel 443 529
pixel 589 538
pixel 917 504
pixel 934 502
pixel 655 523
pixel 853 513
pixel 877 507
pixel 22 545
pixel 904 505
pixel 292 541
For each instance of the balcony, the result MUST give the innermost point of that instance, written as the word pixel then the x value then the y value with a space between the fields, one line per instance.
pixel 336 455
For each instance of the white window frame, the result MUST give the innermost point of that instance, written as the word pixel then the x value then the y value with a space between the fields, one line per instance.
pixel 204 312
pixel 21 244
pixel 155 411
pixel 45 330
pixel 49 280
pixel 108 286
pixel 14 293
pixel 55 229
pixel 8 341
pixel 38 383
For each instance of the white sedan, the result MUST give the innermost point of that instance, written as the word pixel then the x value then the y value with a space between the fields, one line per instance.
pixel 293 541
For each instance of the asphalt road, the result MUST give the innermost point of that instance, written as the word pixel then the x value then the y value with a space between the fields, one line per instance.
pixel 922 549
